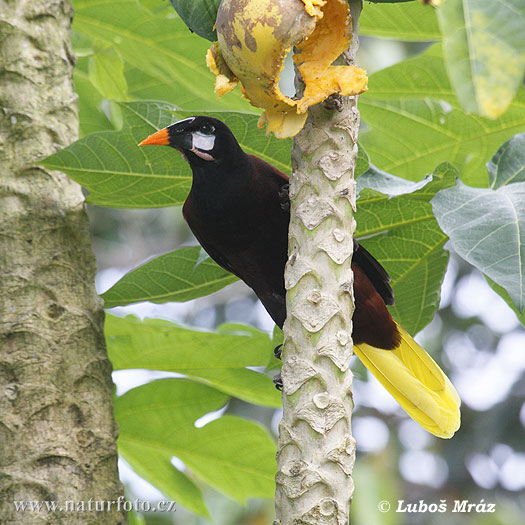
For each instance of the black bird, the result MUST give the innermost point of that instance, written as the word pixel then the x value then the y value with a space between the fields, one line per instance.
pixel 238 210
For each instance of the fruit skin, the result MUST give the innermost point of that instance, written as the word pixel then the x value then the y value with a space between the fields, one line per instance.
pixel 254 37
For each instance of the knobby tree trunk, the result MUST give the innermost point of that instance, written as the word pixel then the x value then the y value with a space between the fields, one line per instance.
pixel 316 450
pixel 57 432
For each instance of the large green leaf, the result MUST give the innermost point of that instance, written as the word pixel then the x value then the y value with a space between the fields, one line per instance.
pixel 153 463
pixel 176 276
pixel 508 163
pixel 120 174
pixel 159 47
pixel 157 422
pixel 363 161
pixel 219 359
pixel 186 402
pixel 487 229
pixel 91 116
pixel 234 455
pixel 416 122
pixel 402 233
pixel 407 21
pixel 506 297
pixel 199 16
pixel 487 225
pixel 484 46
pixel 106 72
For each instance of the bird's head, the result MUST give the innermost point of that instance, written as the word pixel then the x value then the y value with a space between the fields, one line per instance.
pixel 201 140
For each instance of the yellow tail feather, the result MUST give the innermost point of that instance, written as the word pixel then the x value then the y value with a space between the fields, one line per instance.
pixel 416 382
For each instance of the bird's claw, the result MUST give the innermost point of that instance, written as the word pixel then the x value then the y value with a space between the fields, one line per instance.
pixel 284 197
pixel 278 351
pixel 278 381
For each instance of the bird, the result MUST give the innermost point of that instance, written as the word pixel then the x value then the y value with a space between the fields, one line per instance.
pixel 238 210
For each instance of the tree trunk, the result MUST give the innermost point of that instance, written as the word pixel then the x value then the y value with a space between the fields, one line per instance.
pixel 316 450
pixel 57 432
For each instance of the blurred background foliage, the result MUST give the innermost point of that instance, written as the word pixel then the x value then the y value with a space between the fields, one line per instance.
pixel 475 336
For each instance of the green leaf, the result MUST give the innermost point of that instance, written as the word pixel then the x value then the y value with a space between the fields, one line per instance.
pixel 416 122
pixel 159 48
pixel 199 16
pixel 487 229
pixel 173 405
pixel 218 359
pixel 485 225
pixel 106 73
pixel 508 164
pixel 155 466
pixel 506 297
pixel 175 276
pixel 91 117
pixel 362 162
pixel 157 421
pixel 120 174
pixel 156 6
pixel 383 182
pixel 234 455
pixel 408 21
pixel 484 50
pixel 402 233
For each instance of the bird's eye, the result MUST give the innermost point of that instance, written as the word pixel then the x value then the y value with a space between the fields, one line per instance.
pixel 206 128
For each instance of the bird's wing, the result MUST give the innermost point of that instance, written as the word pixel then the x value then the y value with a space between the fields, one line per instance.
pixel 416 382
pixel 216 255
pixel 370 266
pixel 261 166
pixel 374 271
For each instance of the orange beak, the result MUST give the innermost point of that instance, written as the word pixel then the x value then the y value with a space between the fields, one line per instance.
pixel 160 138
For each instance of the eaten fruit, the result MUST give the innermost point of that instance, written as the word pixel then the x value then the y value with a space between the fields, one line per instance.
pixel 254 37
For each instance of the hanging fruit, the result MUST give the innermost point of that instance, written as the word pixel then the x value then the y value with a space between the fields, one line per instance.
pixel 254 38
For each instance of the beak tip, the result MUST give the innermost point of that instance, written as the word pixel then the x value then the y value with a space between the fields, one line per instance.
pixel 160 138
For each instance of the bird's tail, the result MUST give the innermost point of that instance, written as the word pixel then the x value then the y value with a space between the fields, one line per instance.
pixel 416 382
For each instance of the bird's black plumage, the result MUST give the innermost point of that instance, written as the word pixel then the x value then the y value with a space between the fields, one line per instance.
pixel 238 209
pixel 238 212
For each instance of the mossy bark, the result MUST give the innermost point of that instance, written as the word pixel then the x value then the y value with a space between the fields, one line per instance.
pixel 316 450
pixel 57 432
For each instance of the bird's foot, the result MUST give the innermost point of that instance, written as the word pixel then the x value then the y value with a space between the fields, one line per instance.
pixel 284 197
pixel 278 381
pixel 278 351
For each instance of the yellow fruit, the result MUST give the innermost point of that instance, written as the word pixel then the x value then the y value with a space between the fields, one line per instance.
pixel 254 37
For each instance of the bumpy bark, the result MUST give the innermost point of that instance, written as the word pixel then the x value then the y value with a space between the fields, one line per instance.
pixel 316 450
pixel 57 432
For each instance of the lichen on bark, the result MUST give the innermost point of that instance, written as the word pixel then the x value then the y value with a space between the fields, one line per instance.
pixel 57 431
